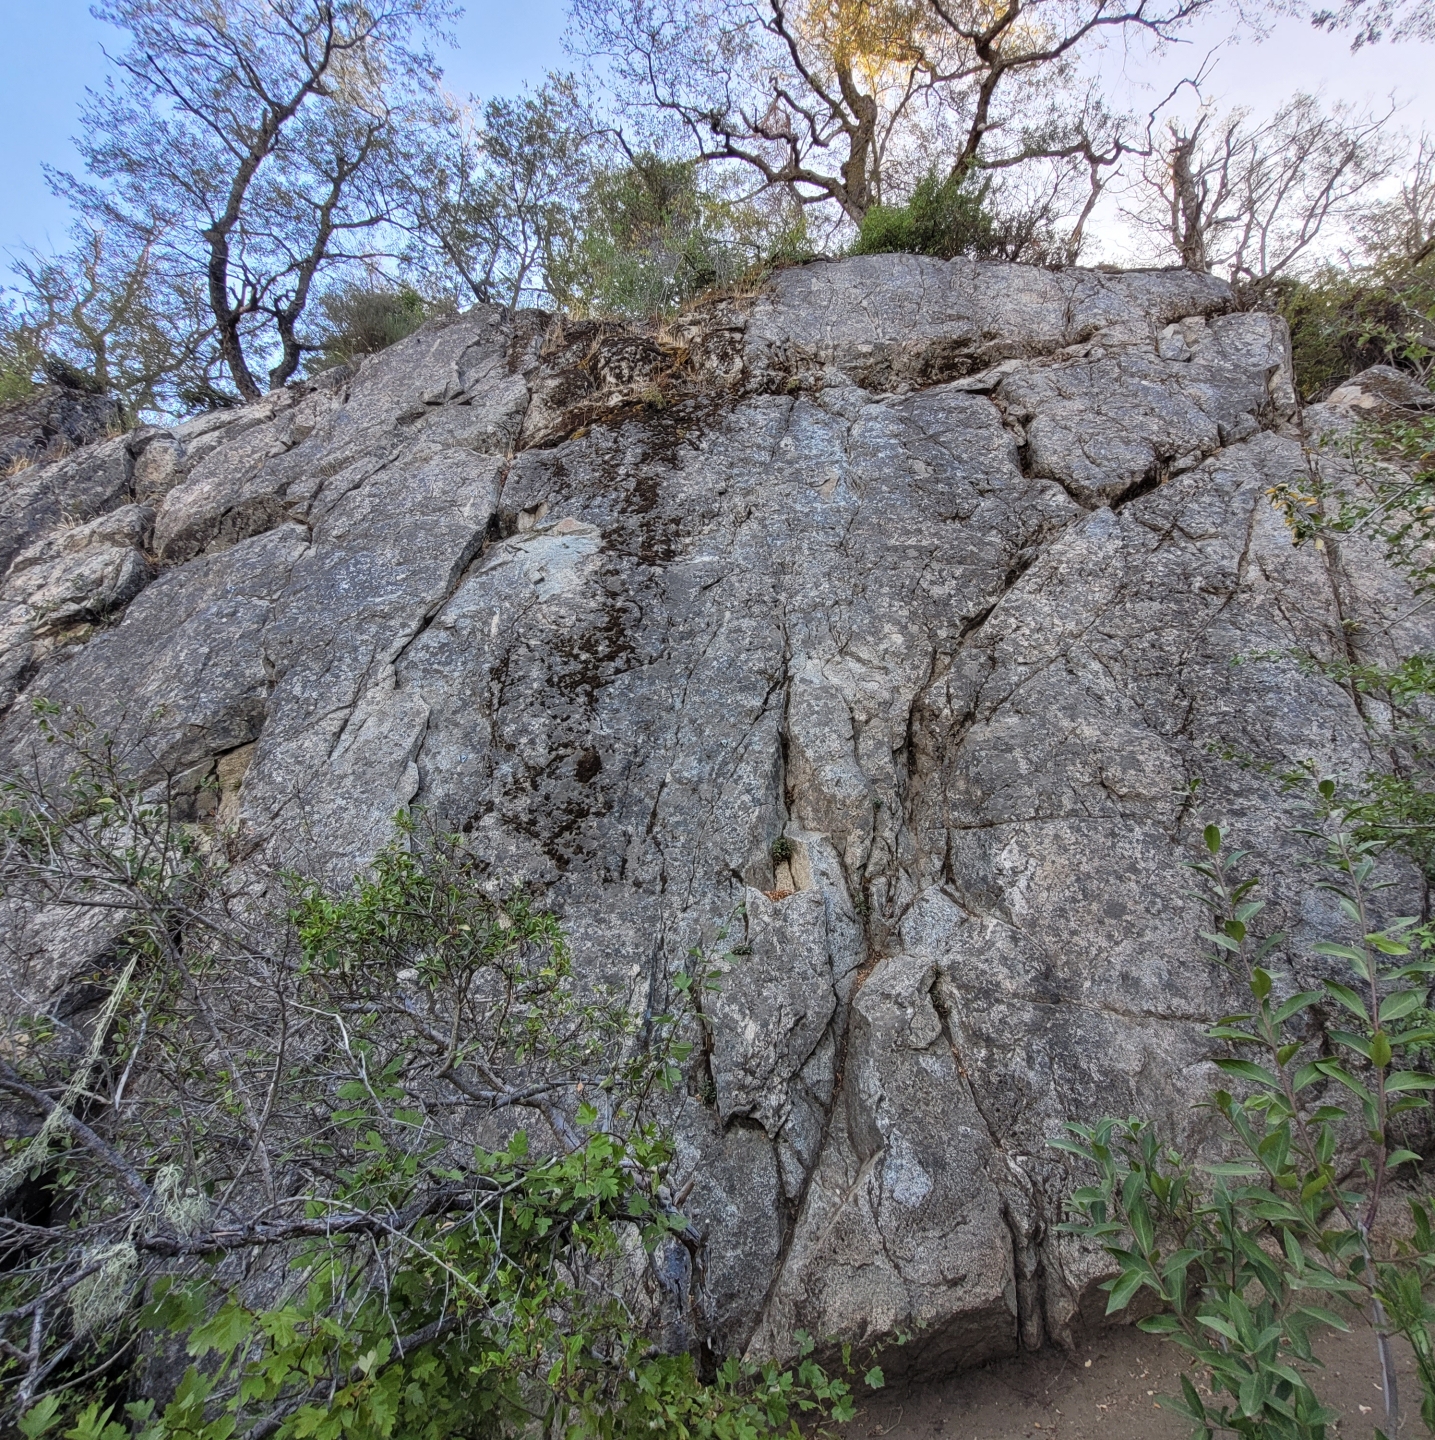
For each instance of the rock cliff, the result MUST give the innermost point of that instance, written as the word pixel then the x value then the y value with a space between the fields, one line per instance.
pixel 63 413
pixel 953 578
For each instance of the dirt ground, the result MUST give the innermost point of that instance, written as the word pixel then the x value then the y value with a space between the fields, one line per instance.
pixel 1110 1390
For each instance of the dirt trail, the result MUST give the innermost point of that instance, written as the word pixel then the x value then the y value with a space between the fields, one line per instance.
pixel 1109 1390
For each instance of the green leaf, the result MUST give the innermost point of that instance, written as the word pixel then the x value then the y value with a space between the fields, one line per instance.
pixel 1223 942
pixel 1229 1032
pixel 1248 1070
pixel 1212 837
pixel 1380 1050
pixel 1071 1147
pixel 1386 945
pixel 1221 1327
pixel 1348 998
pixel 1125 1287
pixel 224 1331
pixel 874 1378
pixel 1295 1005
pixel 1409 1080
pixel 1399 1005
pixel 1340 951
pixel 1326 1317
pixel 1352 1041
pixel 39 1418
pixel 1175 1263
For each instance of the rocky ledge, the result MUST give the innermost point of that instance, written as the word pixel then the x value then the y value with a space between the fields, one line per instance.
pixel 957 578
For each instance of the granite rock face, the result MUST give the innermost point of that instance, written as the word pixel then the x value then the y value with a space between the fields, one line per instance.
pixel 59 416
pixel 952 578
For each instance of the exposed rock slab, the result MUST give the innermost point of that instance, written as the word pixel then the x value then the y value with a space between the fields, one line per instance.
pixel 954 577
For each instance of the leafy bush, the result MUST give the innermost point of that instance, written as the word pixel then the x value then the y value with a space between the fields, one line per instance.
pixel 943 218
pixel 1378 482
pixel 642 247
pixel 357 319
pixel 1246 1255
pixel 200 395
pixel 21 358
pixel 1342 321
pixel 650 238
pixel 376 1157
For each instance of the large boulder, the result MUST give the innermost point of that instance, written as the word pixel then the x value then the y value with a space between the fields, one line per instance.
pixel 955 578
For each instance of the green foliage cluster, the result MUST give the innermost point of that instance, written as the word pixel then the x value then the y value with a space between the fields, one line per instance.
pixel 1378 482
pixel 942 217
pixel 1249 1257
pixel 359 319
pixel 1344 320
pixel 650 238
pixel 967 215
pixel 20 357
pixel 1245 1256
pixel 442 1164
pixel 1392 502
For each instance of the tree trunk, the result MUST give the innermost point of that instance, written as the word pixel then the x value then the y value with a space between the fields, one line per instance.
pixel 227 316
pixel 1191 236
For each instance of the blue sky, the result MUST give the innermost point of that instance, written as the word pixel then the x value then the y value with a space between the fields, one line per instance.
pixel 51 52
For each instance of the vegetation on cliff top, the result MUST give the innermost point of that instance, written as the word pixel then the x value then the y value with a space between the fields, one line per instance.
pixel 255 169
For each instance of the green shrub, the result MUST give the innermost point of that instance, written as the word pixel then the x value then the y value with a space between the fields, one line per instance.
pixel 1390 503
pixel 1342 321
pixel 359 319
pixel 21 359
pixel 1246 1256
pixel 646 243
pixel 651 238
pixel 943 218
pixel 385 1168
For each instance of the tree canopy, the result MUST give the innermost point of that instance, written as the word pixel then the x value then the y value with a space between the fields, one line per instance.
pixel 271 186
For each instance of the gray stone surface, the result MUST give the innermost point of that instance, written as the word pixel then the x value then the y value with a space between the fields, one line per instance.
pixel 66 581
pixel 956 577
pixel 52 421
pixel 1381 387
pixel 37 499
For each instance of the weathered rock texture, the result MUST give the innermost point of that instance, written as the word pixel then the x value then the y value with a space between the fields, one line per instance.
pixel 953 575
pixel 51 422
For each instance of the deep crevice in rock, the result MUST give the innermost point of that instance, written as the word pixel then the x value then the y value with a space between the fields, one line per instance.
pixel 1153 479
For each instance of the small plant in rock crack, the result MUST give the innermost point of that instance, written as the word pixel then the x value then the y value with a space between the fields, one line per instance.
pixel 374 1153
pixel 1247 1256
pixel 780 850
